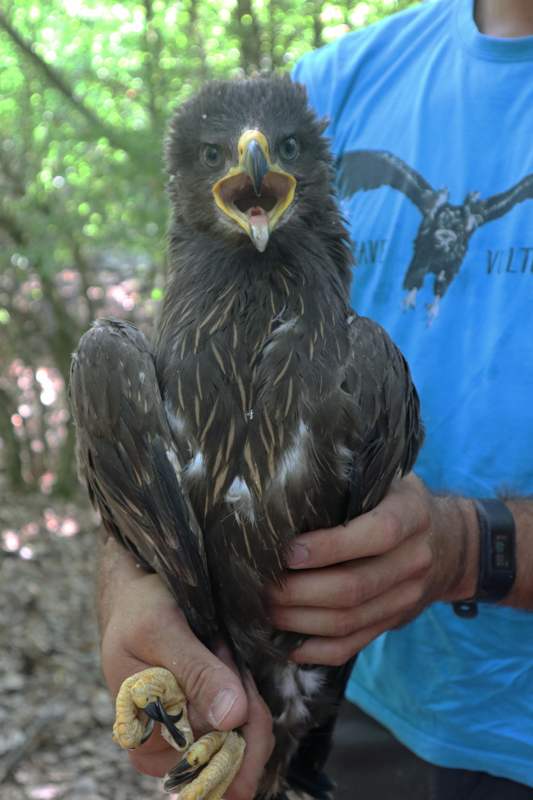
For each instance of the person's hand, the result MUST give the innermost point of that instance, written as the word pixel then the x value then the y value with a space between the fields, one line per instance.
pixel 142 627
pixel 349 584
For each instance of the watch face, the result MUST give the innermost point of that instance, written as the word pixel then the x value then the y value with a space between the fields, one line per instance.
pixel 502 552
pixel 497 565
pixel 497 558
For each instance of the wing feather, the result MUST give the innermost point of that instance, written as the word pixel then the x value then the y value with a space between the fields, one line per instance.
pixel 386 414
pixel 131 463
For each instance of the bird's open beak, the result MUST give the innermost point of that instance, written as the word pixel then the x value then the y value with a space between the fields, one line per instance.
pixel 256 192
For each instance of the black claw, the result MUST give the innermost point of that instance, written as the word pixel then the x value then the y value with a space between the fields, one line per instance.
pixel 181 773
pixel 149 729
pixel 156 711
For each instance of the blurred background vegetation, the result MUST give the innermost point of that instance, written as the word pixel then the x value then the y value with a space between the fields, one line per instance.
pixel 86 88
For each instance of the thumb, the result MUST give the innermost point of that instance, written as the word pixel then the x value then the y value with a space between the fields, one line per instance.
pixel 213 689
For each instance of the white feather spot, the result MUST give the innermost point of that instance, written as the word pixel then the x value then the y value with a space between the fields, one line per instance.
pixel 311 680
pixel 282 329
pixel 288 684
pixel 142 377
pixel 172 457
pixel 176 421
pixel 240 497
pixel 296 711
pixel 345 456
pixel 296 686
pixel 196 466
pixel 285 327
pixel 294 460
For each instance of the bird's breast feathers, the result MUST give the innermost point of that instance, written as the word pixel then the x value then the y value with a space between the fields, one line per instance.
pixel 256 407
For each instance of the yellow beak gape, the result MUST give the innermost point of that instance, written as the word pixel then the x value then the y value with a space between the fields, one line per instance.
pixel 256 192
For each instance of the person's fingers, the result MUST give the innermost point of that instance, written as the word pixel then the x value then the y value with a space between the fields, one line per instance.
pixel 400 514
pixel 334 651
pixel 402 598
pixel 259 745
pixel 353 583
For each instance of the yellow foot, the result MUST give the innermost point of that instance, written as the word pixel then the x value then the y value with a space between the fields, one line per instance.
pixel 156 692
pixel 208 767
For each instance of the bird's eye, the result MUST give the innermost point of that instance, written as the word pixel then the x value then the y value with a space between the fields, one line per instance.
pixel 212 155
pixel 289 148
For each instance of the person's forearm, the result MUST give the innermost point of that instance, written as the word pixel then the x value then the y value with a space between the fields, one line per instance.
pixel 456 536
pixel 521 595
pixel 116 568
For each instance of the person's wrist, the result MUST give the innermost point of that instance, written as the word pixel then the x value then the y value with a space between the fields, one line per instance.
pixel 115 569
pixel 458 559
pixel 467 584
pixel 122 581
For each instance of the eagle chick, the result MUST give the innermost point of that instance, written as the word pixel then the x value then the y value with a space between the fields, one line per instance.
pixel 265 408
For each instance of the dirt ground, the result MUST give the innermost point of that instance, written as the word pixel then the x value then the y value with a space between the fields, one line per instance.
pixel 55 713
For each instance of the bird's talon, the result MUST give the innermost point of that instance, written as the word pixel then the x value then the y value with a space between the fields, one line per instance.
pixel 182 773
pixel 151 692
pixel 208 767
pixel 149 729
pixel 156 711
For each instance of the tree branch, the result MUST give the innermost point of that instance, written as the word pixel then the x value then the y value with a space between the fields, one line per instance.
pixel 85 279
pixel 10 225
pixel 55 79
pixel 52 75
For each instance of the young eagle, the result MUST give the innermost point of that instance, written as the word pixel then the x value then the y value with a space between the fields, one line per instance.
pixel 265 408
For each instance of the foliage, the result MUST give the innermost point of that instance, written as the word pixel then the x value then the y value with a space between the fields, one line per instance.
pixel 86 87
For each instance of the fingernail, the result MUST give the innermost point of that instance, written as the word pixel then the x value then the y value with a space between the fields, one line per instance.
pixel 222 705
pixel 298 555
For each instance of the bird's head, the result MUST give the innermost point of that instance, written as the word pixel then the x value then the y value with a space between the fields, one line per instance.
pixel 246 157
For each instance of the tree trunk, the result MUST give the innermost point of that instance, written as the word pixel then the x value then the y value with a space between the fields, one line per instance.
pixel 12 460
pixel 66 482
pixel 249 35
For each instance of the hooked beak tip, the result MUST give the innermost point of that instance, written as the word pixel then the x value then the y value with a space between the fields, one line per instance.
pixel 255 164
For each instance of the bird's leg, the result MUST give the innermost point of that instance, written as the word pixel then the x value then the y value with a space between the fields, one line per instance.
pixel 208 765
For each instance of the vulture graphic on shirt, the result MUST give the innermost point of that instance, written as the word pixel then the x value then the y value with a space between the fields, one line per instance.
pixel 265 407
pixel 445 231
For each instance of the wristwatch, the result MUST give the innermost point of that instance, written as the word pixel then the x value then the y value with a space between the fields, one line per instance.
pixel 497 556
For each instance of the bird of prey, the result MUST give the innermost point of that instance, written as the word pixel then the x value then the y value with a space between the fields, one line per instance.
pixel 445 231
pixel 266 407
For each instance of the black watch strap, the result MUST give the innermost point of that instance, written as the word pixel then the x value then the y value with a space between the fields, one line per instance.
pixel 497 556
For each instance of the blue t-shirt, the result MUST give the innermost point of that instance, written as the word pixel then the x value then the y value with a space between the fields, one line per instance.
pixel 441 214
